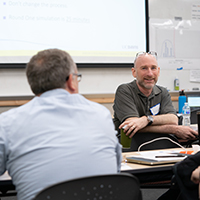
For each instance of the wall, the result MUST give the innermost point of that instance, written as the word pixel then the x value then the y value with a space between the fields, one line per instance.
pixel 13 81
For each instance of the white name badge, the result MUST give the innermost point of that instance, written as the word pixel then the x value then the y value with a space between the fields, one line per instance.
pixel 155 109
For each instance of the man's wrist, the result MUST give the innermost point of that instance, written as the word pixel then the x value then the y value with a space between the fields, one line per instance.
pixel 150 120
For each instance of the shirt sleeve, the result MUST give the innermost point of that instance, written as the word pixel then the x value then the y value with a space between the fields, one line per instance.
pixel 124 104
pixel 2 152
pixel 166 104
pixel 119 156
pixel 111 136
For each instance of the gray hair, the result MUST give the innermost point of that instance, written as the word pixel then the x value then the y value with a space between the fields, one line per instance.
pixel 142 53
pixel 48 70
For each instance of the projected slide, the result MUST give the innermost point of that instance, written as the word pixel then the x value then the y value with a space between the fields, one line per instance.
pixel 92 31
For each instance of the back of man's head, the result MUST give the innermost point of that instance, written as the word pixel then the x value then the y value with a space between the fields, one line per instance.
pixel 48 70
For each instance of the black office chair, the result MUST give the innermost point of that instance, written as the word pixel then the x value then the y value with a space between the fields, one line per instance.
pixel 7 189
pixel 193 120
pixel 160 180
pixel 112 186
pixel 193 116
pixel 141 138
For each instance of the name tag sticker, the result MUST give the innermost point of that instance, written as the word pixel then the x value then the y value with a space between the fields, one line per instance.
pixel 155 109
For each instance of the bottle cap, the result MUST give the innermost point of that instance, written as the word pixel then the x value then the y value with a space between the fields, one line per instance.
pixel 182 93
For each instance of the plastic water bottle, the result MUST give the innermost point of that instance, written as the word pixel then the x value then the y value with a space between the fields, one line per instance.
pixel 186 115
pixel 176 84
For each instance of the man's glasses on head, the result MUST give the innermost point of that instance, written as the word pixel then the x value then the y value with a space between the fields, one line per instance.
pixel 153 53
pixel 79 76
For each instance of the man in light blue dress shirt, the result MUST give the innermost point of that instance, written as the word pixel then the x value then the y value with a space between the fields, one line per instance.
pixel 58 135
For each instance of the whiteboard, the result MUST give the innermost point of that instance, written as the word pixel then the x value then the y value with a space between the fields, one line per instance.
pixel 177 40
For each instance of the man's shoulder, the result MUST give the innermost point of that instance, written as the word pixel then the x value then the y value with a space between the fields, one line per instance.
pixel 13 111
pixel 92 104
pixel 15 115
pixel 160 89
pixel 127 86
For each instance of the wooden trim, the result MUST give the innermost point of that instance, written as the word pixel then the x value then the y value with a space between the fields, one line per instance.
pixel 102 100
pixel 13 102
pixel 22 102
pixel 174 98
pixel 99 98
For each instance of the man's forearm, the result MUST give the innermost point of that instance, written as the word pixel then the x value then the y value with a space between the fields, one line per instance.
pixel 160 124
pixel 170 129
pixel 165 119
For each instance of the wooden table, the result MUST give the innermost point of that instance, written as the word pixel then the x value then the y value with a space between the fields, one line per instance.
pixel 145 173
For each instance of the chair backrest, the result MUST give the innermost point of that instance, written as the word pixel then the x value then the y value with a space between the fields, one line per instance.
pixel 113 186
pixel 193 116
pixel 141 138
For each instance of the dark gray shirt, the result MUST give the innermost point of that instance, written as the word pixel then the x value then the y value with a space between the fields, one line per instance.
pixel 130 102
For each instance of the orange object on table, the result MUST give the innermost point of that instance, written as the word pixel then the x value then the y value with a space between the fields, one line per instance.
pixel 187 152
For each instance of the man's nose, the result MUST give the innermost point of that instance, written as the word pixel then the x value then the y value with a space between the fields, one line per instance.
pixel 149 72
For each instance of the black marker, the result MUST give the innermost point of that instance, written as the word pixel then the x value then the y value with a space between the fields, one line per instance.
pixel 169 156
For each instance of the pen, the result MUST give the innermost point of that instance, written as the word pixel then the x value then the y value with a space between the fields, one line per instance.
pixel 169 156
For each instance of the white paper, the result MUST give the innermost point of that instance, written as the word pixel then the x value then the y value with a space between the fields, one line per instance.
pixel 124 166
pixel 5 176
pixel 195 75
pixel 152 155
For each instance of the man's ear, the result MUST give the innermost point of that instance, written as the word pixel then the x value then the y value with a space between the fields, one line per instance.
pixel 133 72
pixel 158 71
pixel 70 84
